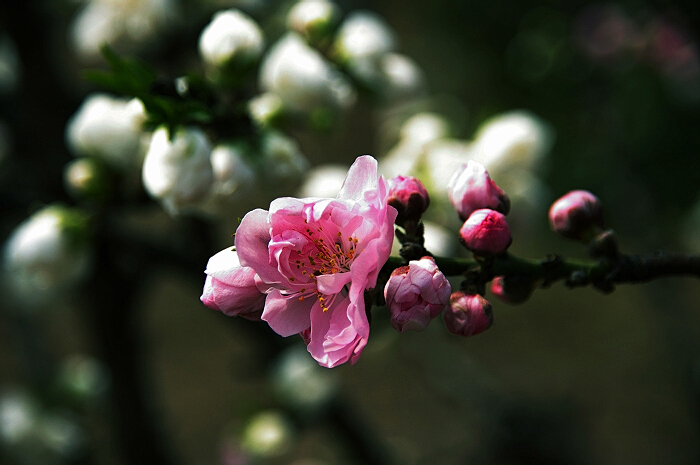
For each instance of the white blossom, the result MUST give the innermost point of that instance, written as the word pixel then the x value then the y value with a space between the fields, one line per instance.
pixel 516 139
pixel 265 108
pixel 231 38
pixel 109 128
pixel 363 39
pixel 312 18
pixel 303 78
pixel 406 157
pixel 401 77
pixel 178 172
pixel 45 255
pixel 128 23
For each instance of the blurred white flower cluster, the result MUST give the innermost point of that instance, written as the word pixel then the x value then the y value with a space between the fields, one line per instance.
pixel 185 170
pixel 513 146
pixel 128 25
pixel 312 73
pixel 32 432
pixel 46 256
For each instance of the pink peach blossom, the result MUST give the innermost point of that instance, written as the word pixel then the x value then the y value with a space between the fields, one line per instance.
pixel 316 257
pixel 231 288
pixel 415 294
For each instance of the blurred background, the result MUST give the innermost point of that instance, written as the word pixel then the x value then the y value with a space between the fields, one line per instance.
pixel 107 356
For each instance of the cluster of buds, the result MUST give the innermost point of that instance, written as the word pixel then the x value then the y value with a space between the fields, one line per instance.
pixel 418 292
pixel 483 207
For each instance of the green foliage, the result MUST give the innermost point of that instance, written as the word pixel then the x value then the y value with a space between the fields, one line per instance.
pixel 167 103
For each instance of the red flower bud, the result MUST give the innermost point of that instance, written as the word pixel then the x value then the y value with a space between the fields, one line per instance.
pixel 409 197
pixel 467 314
pixel 486 232
pixel 577 215
pixel 471 188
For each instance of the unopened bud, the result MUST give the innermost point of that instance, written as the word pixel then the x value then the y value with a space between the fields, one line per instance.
pixel 486 233
pixel 266 109
pixel 231 39
pixel 471 188
pixel 87 178
pixel 303 78
pixel 46 255
pixel 468 314
pixel 109 128
pixel 314 19
pixel 177 170
pixel 362 39
pixel 604 245
pixel 415 294
pixel 512 289
pixel 409 197
pixel 577 215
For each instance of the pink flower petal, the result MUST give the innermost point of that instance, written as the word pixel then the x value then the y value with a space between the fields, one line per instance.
pixel 287 315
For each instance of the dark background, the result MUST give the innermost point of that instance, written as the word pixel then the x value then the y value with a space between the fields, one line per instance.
pixel 569 377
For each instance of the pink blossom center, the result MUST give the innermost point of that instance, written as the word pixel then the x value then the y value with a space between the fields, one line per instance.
pixel 316 250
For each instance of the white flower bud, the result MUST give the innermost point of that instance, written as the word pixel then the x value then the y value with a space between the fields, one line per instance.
pixel 362 40
pixel 231 38
pixel 265 109
pixel 46 255
pixel 516 139
pixel 364 34
pixel 313 19
pixel 425 127
pixel 109 128
pixel 87 178
pixel 407 155
pixel 401 77
pixel 178 172
pixel 126 24
pixel 303 78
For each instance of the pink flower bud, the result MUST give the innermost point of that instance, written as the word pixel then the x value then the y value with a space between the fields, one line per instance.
pixel 409 197
pixel 231 288
pixel 577 215
pixel 512 289
pixel 471 188
pixel 467 314
pixel 486 232
pixel 415 294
